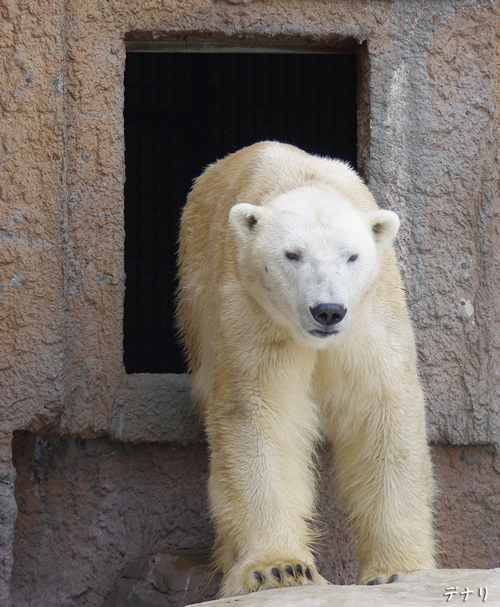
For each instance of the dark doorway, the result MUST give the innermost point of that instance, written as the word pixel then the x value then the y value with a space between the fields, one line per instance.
pixel 186 110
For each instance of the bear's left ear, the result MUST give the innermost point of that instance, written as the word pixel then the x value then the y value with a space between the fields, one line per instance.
pixel 243 218
pixel 384 225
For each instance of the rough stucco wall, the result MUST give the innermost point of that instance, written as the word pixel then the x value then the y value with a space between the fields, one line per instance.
pixel 432 158
pixel 431 154
pixel 31 212
pixel 31 236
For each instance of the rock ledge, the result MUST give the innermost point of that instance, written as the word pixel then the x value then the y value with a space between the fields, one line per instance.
pixel 415 590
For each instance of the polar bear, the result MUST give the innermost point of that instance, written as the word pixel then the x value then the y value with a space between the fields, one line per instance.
pixel 294 320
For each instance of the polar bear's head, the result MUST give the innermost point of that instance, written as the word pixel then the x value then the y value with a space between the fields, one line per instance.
pixel 309 257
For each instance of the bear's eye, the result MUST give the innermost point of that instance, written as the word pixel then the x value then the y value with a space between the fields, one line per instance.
pixel 293 256
pixel 353 257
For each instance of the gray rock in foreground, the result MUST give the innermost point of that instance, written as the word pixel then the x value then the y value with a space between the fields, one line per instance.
pixel 165 579
pixel 415 590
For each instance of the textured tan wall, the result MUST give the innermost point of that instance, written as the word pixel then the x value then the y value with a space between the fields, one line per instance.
pixel 430 154
pixel 31 237
pixel 429 149
pixel 433 159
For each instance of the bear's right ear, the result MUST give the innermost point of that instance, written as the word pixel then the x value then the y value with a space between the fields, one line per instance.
pixel 243 218
pixel 384 225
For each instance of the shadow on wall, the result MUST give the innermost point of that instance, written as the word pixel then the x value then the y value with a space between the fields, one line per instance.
pixel 91 512
pixel 87 508
pixel 94 512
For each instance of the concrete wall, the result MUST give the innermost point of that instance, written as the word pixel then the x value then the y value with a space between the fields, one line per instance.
pixel 429 150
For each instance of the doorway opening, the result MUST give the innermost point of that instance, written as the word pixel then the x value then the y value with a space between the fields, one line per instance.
pixel 185 110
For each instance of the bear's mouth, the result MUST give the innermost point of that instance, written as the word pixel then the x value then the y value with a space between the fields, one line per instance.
pixel 323 334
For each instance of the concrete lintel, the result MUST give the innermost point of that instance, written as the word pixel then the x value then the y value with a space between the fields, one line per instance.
pixel 156 408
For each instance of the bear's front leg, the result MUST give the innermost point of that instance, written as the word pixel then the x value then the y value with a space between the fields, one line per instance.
pixel 384 471
pixel 262 487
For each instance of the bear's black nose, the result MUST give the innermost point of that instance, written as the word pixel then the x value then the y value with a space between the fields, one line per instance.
pixel 328 314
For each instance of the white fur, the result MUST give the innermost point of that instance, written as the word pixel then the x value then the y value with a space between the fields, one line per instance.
pixel 324 231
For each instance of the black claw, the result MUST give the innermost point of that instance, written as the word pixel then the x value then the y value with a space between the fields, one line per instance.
pixel 277 574
pixel 394 577
pixel 299 569
pixel 374 582
pixel 290 571
pixel 258 576
pixel 309 574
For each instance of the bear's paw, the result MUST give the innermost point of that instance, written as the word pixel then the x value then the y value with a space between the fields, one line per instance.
pixel 275 575
pixel 386 578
